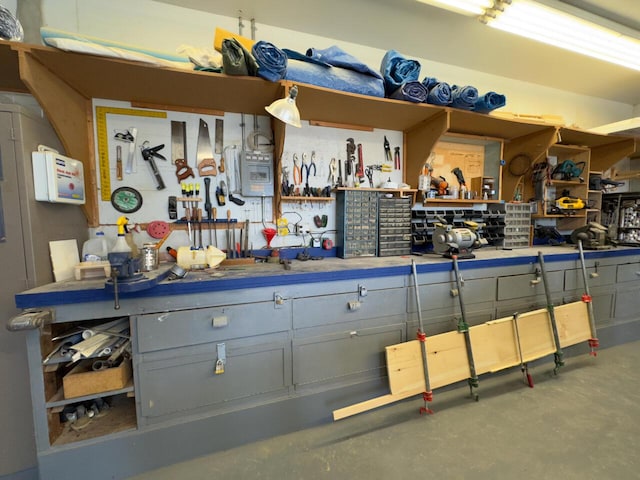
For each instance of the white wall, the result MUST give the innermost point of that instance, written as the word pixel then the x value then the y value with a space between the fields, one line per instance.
pixel 164 27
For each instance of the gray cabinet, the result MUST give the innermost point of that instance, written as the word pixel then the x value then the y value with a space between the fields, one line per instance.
pixel 191 360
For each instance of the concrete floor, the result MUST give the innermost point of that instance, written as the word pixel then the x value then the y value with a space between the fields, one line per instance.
pixel 582 424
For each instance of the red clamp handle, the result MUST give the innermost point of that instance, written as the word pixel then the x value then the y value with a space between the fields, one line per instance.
pixel 421 336
pixel 586 298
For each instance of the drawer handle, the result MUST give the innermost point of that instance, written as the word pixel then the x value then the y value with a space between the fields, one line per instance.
pixel 353 333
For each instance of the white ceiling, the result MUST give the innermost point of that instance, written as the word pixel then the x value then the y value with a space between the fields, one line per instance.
pixel 420 30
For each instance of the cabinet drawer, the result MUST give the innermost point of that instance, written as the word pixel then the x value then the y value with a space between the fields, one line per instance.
pixel 193 327
pixel 325 309
pixel 519 286
pixel 627 304
pixel 439 294
pixel 628 272
pixel 348 353
pixel 605 276
pixel 189 382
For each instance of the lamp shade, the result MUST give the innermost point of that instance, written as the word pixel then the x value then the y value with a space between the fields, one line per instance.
pixel 285 109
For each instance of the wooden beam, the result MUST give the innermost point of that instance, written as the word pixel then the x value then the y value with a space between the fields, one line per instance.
pixel 535 146
pixel 177 108
pixel 422 138
pixel 605 156
pixel 71 117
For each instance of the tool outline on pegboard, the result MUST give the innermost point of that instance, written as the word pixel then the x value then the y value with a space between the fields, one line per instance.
pixel 103 141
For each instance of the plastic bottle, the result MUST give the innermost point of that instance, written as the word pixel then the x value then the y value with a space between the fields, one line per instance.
pixel 95 249
pixel 121 244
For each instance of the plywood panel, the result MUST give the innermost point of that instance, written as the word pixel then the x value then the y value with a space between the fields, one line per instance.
pixel 404 367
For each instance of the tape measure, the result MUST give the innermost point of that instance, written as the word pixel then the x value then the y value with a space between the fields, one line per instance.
pixel 103 140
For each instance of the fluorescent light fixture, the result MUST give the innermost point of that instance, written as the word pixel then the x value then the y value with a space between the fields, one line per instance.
pixel 286 109
pixel 466 7
pixel 554 27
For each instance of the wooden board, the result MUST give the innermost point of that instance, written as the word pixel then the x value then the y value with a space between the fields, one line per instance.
pixel 494 345
pixel 536 335
pixel 572 320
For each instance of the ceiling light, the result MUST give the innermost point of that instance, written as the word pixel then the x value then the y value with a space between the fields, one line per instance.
pixel 560 29
pixel 466 7
pixel 285 109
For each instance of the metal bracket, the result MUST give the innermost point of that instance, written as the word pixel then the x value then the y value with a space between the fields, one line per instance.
pixel 279 300
pixel 362 291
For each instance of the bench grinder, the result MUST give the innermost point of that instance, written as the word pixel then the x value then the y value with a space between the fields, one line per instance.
pixel 459 241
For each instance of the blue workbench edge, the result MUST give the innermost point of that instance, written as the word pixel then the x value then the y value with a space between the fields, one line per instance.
pixel 30 299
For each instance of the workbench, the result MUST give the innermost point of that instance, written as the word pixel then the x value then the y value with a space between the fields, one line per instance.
pixel 297 344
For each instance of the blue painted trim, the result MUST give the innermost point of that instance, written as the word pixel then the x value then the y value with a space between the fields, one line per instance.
pixel 186 287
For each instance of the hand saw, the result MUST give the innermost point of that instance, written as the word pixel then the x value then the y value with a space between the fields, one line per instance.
pixel 204 154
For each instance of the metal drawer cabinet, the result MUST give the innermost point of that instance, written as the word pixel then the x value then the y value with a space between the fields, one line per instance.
pixel 440 295
pixel 598 276
pixel 345 356
pixel 347 307
pixel 628 272
pixel 529 285
pixel 193 327
pixel 186 381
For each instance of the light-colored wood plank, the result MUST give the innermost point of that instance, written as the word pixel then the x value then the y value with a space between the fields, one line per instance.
pixel 345 126
pixel 404 367
pixel 447 359
pixel 495 346
pixel 572 320
pixel 371 404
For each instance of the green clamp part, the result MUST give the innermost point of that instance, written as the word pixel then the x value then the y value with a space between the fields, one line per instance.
pixel 473 382
pixel 463 326
pixel 559 359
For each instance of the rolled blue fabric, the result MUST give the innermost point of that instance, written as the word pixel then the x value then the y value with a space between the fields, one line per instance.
pixel 429 82
pixel 412 92
pixel 440 94
pixel 464 97
pixel 489 102
pixel 272 61
pixel 397 70
pixel 293 55
pixel 337 57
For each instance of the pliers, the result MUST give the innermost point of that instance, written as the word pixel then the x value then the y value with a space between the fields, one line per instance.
pixel 297 174
pixel 396 157
pixel 307 166
pixel 387 150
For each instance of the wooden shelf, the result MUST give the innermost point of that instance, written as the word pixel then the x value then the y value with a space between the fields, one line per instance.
pixel 454 201
pixel 64 83
pixel 58 399
pixel 301 198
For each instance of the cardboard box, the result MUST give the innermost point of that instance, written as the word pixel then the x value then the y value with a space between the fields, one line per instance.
pixel 83 381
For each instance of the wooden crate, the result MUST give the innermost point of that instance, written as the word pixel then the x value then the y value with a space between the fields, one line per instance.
pixel 83 381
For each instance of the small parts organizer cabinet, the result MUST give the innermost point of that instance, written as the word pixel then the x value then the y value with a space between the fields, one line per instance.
pixel 366 215
pixel 394 229
pixel 517 228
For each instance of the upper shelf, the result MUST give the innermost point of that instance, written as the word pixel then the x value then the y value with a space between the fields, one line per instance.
pixel 115 79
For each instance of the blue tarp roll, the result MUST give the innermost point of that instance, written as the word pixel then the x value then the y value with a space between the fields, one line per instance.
pixel 464 97
pixel 271 60
pixel 397 70
pixel 440 94
pixel 489 102
pixel 411 92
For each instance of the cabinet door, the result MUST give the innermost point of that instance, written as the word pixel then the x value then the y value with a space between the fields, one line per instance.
pixel 254 366
pixel 344 356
